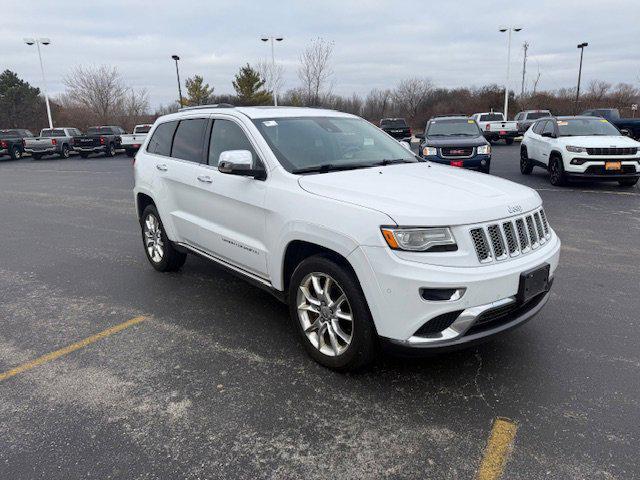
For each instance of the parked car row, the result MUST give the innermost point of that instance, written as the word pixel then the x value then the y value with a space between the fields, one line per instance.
pixel 62 141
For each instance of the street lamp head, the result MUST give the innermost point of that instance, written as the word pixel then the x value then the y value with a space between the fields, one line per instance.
pixel 517 29
pixel 279 39
pixel 504 29
pixel 582 45
pixel 264 39
pixel 29 41
pixel 175 57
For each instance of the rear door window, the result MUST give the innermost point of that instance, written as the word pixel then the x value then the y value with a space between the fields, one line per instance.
pixel 226 135
pixel 160 142
pixel 548 127
pixel 188 140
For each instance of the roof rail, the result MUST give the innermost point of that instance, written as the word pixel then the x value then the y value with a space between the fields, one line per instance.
pixel 215 105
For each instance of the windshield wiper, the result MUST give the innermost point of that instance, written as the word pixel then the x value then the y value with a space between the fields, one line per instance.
pixel 392 161
pixel 330 167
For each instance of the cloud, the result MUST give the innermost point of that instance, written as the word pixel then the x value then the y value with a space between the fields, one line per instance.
pixel 377 43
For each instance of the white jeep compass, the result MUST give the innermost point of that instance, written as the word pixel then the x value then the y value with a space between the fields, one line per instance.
pixel 367 243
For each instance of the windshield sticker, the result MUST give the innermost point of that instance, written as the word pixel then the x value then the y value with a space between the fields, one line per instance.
pixel 604 121
pixel 270 123
pixel 368 141
pixel 469 121
pixel 563 123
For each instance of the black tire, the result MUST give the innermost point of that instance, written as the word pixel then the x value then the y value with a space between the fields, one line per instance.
pixel 36 156
pixel 171 259
pixel 526 167
pixel 362 349
pixel 84 155
pixel 130 153
pixel 628 182
pixel 65 151
pixel 508 141
pixel 557 177
pixel 110 150
pixel 16 153
pixel 486 169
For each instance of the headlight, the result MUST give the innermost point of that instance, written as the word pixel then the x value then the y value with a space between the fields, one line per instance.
pixel 484 149
pixel 420 239
pixel 429 151
pixel 573 149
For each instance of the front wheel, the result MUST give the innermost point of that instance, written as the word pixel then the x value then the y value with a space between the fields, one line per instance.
pixel 557 176
pixel 331 314
pixel 161 253
pixel 130 153
pixel 111 150
pixel 526 167
pixel 627 182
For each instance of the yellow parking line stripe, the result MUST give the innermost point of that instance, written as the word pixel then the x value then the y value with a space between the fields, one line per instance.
pixel 71 348
pixel 498 448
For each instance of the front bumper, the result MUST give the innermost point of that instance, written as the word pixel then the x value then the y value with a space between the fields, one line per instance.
pixel 477 162
pixel 594 168
pixel 392 287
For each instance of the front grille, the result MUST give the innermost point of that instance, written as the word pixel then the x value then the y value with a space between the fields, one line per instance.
pixel 438 324
pixel 520 235
pixel 457 151
pixel 612 151
pixel 601 170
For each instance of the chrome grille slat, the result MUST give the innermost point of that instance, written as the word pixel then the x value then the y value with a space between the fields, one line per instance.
pixel 499 241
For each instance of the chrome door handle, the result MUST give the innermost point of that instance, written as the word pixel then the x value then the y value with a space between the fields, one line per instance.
pixel 162 167
pixel 205 179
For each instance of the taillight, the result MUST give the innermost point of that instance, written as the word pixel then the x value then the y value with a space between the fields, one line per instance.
pixel 457 163
pixel 488 127
pixel 101 140
pixel 54 141
pixel 4 144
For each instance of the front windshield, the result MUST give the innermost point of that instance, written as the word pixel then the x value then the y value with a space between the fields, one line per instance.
pixel 537 115
pixel 586 127
pixel 452 127
pixel 306 142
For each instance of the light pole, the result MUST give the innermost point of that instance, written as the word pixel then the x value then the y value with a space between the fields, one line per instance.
pixel 38 42
pixel 506 85
pixel 176 58
pixel 273 67
pixel 581 47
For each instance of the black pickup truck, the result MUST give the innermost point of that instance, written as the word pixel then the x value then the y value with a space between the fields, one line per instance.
pixel 628 126
pixel 103 139
pixel 11 142
pixel 396 127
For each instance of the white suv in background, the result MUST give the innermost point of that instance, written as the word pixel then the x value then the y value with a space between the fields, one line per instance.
pixel 367 243
pixel 580 148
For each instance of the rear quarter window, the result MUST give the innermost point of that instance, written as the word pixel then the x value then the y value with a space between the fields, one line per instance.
pixel 160 143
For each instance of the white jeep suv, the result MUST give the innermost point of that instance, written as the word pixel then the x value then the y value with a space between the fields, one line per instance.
pixel 368 244
pixel 580 148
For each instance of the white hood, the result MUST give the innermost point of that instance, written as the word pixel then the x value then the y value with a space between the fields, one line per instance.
pixel 425 194
pixel 597 141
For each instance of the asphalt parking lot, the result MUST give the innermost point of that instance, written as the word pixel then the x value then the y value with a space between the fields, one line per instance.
pixel 209 380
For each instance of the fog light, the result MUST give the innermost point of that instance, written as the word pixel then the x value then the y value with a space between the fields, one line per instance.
pixel 483 163
pixel 578 161
pixel 442 294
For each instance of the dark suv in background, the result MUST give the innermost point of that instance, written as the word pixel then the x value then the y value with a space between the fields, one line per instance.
pixel 455 141
pixel 396 127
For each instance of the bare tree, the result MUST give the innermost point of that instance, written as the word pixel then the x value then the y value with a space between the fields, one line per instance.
pixel 410 94
pixel 597 90
pixel 377 104
pixel 315 69
pixel 273 75
pixel 536 81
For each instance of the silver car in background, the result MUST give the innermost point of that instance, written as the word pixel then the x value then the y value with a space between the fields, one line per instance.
pixel 52 141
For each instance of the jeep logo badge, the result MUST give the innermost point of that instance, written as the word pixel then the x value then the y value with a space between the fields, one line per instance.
pixel 514 209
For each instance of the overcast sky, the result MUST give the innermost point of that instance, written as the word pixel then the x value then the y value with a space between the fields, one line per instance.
pixel 377 43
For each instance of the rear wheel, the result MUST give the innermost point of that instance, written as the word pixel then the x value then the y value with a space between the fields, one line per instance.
pixel 627 182
pixel 160 251
pixel 65 152
pixel 557 177
pixel 526 167
pixel 110 151
pixel 331 314
pixel 16 153
pixel 130 153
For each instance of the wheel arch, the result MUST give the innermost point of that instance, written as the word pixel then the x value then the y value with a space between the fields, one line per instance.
pixel 143 201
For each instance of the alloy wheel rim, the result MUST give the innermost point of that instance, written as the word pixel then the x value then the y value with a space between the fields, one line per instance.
pixel 325 314
pixel 554 172
pixel 153 239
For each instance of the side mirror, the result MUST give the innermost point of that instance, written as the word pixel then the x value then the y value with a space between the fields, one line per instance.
pixel 239 162
pixel 626 133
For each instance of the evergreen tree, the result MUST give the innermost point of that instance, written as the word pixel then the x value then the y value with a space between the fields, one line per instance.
pixel 20 103
pixel 249 87
pixel 198 92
